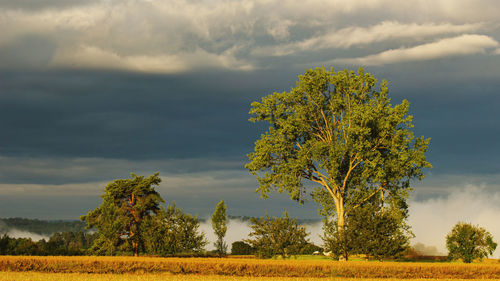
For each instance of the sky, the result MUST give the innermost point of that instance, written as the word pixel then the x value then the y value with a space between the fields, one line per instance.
pixel 93 90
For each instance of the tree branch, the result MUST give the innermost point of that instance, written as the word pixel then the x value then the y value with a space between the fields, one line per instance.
pixel 366 199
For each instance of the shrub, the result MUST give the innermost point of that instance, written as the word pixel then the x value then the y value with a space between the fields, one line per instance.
pixel 277 236
pixel 241 248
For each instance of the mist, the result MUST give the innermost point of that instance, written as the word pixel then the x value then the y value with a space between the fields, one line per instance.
pixel 431 220
pixel 15 233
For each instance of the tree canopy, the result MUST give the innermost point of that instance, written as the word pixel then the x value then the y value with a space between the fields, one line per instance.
pixel 339 132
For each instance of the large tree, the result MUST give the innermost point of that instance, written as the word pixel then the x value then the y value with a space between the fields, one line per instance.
pixel 336 130
pixel 126 204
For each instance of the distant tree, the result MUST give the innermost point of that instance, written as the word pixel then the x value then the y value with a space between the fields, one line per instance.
pixel 277 236
pixel 336 130
pixel 219 220
pixel 241 248
pixel 126 204
pixel 469 242
pixel 374 229
pixel 4 244
pixel 173 232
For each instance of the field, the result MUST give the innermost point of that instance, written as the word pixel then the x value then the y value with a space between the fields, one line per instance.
pixel 187 269
pixel 37 276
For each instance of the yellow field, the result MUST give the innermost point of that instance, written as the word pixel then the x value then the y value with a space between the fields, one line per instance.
pixel 186 269
pixel 37 276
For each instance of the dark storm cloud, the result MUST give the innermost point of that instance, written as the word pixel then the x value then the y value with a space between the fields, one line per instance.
pixel 205 115
pixel 454 102
pixel 119 115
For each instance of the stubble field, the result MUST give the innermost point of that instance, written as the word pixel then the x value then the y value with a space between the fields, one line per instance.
pixel 241 269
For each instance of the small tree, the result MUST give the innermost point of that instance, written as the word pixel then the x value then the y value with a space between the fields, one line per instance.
pixel 277 236
pixel 469 242
pixel 219 220
pixel 126 204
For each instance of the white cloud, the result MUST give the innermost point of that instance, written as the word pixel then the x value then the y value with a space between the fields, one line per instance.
pixel 496 52
pixel 96 58
pixel 433 219
pixel 355 36
pixel 178 36
pixel 462 45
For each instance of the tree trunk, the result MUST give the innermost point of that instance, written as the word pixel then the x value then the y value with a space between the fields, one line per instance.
pixel 136 248
pixel 339 204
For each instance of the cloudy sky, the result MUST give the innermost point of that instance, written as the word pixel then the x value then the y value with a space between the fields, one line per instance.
pixel 93 90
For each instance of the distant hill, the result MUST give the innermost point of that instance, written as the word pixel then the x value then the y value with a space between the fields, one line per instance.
pixel 41 227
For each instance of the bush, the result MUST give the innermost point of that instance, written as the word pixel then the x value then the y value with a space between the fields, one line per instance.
pixel 241 248
pixel 277 236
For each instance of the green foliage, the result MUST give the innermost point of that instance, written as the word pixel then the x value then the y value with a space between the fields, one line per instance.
pixel 172 232
pixel 373 229
pixel 69 243
pixel 19 246
pixel 64 243
pixel 126 204
pixel 241 248
pixel 336 130
pixel 469 242
pixel 219 220
pixel 277 236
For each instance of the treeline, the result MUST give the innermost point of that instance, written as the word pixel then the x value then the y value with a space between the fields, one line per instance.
pixel 59 244
pixel 41 227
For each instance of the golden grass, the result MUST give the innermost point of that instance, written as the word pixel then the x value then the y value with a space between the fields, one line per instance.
pixel 247 267
pixel 40 276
